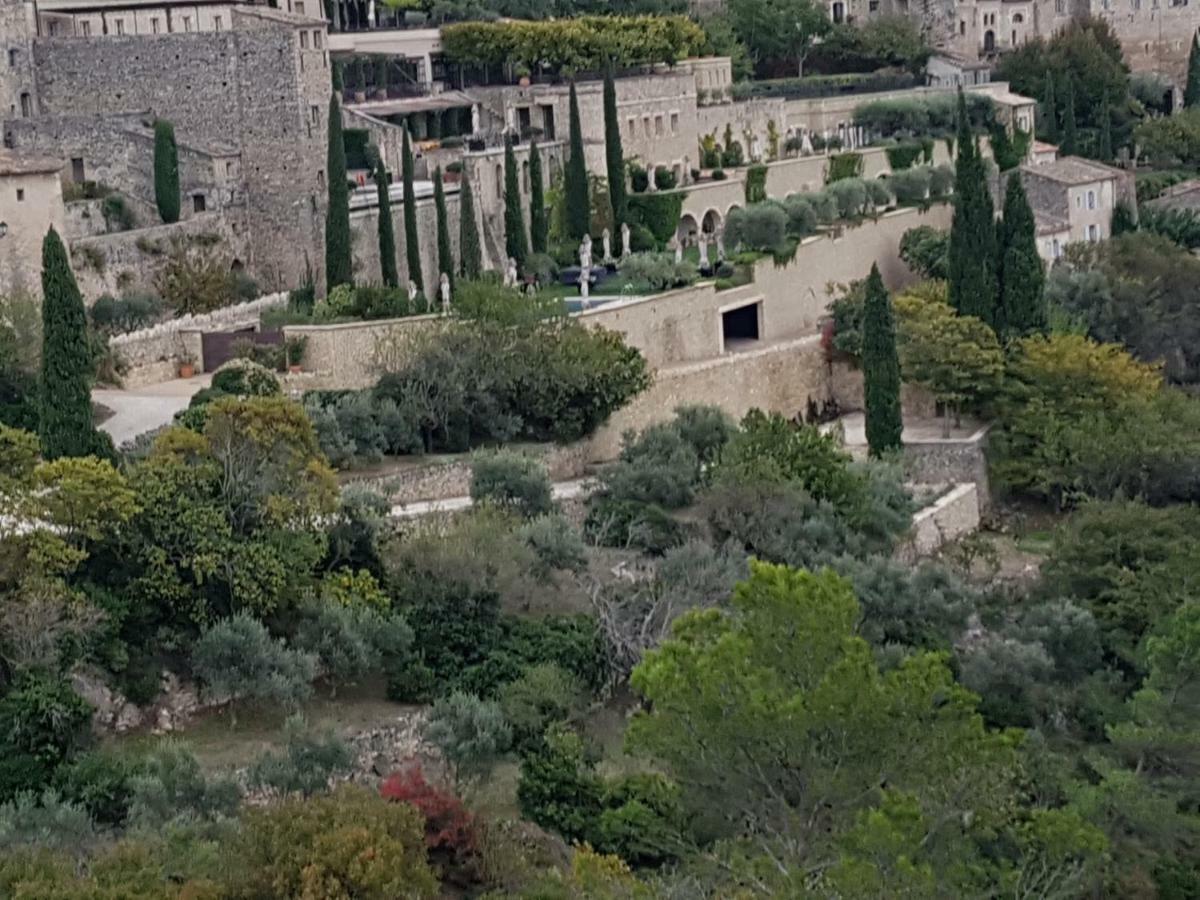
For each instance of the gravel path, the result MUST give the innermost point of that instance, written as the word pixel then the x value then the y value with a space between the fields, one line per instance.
pixel 145 408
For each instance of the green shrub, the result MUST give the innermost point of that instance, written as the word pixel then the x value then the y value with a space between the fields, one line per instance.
pixel 471 733
pixel 761 227
pixel 850 195
pixel 171 787
pixel 756 184
pixel 657 271
pixel 558 790
pixel 904 155
pixel 42 723
pixel 245 378
pixel 931 115
pixel 633 525
pixel 844 165
pixel 47 822
pixel 801 217
pixel 878 192
pixel 352 641
pixel 643 819
pixel 659 212
pixel 656 467
pixel 719 175
pixel 556 542
pixel 513 481
pixel 941 181
pixel 911 186
pixel 100 782
pixel 641 239
pixel 308 761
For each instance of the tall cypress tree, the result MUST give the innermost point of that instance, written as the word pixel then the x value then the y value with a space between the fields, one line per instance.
pixel 412 245
pixel 65 408
pixel 1191 92
pixel 338 265
pixel 579 216
pixel 166 171
pixel 387 230
pixel 445 251
pixel 515 243
pixel 538 225
pixel 1106 148
pixel 972 263
pixel 1049 110
pixel 1022 307
pixel 1069 145
pixel 614 156
pixel 470 253
pixel 881 369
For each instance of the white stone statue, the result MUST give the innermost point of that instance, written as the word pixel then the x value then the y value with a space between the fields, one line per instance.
pixel 510 273
pixel 585 282
pixel 720 236
pixel 585 252
pixel 806 146
pixel 624 241
pixel 606 240
pixel 444 291
pixel 755 148
pixel 703 250
pixel 412 291
pixel 679 250
pixel 651 186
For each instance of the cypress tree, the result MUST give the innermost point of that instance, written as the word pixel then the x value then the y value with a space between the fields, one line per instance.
pixel 445 251
pixel 881 369
pixel 1049 110
pixel 387 230
pixel 579 216
pixel 65 408
pixel 614 156
pixel 1105 148
pixel 469 252
pixel 1069 145
pixel 538 225
pixel 515 243
pixel 1191 92
pixel 337 216
pixel 1022 308
pixel 972 256
pixel 412 246
pixel 1123 221
pixel 166 171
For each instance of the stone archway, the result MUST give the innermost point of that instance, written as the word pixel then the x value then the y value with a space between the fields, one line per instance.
pixel 688 230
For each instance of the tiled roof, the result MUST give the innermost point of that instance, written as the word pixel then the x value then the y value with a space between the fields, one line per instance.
pixel 16 164
pixel 1073 170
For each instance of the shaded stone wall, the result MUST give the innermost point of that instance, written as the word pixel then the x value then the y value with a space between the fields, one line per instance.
pixel 364 236
pixel 39 208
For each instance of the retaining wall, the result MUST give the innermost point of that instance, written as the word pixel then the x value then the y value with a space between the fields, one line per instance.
pixel 950 517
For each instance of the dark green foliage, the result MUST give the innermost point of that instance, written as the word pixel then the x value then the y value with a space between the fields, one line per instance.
pixel 926 250
pixel 972 256
pixel 1069 145
pixel 100 782
pixel 634 525
pixel 470 252
pixel 512 480
pixel 359 151
pixel 387 230
pixel 338 262
pixel 412 246
pixel 65 410
pixel 1123 221
pixel 539 223
pixel 42 723
pixel 1048 110
pixel 578 200
pixel 516 246
pixel 456 626
pixel 307 763
pixel 444 249
pixel 659 213
pixel 844 165
pixel 1191 91
pixel 756 184
pixel 1022 308
pixel 881 369
pixel 166 171
pixel 1104 148
pixel 558 789
pixel 614 155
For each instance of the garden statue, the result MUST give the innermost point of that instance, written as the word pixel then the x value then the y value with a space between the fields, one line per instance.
pixel 720 236
pixel 624 240
pixel 755 148
pixel 444 290
pixel 585 252
pixel 703 251
pixel 510 273
pixel 585 283
pixel 606 239
pixel 412 291
pixel 679 250
pixel 650 185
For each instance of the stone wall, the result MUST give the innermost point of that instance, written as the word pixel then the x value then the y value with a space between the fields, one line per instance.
pixel 951 460
pixel 486 171
pixel 30 204
pixel 444 479
pixel 253 87
pixel 17 86
pixel 355 354
pixel 744 117
pixel 952 516
pixel 364 240
pixel 122 261
pixel 152 354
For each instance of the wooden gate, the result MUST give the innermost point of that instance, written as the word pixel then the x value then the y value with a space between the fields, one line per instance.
pixel 217 347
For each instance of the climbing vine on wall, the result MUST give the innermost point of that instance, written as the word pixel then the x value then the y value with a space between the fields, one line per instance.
pixel 756 184
pixel 844 165
pixel 659 212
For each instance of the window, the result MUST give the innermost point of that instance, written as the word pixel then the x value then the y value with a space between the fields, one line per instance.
pixel 228 170
pixel 658 126
pixel 873 6
pixel 525 176
pixel 78 175
pixel 1018 19
pixel 674 123
pixel 85 28
pixel 27 106
pixel 1091 195
pixel 962 27
pixel 321 178
pixel 12 59
pixel 154 26
pixel 1060 7
pixel 20 195
pixel 1093 233
pixel 646 126
pixel 1055 249
pixel 632 127
pixel 199 204
pixel 120 24
pixel 1079 201
pixel 314 113
pixel 299 8
pixel 317 39
pixel 187 23
pixel 304 40
pixel 218 25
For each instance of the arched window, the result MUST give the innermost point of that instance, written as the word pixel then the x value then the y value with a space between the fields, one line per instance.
pixel 1018 19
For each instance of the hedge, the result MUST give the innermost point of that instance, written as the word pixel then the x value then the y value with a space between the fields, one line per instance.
pixel 659 212
pixel 923 115
pixel 844 165
pixel 824 85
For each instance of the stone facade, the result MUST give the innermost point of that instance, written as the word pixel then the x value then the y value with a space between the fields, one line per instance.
pixel 260 87
pixel 950 517
pixel 17 95
pixel 364 237
pixel 30 204
pixel 1078 192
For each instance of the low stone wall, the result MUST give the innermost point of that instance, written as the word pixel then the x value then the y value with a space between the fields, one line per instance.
pixel 446 479
pixel 354 354
pixel 152 355
pixel 950 517
pixel 958 460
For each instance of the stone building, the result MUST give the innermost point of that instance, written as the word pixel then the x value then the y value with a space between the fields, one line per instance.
pixel 30 204
pixel 1073 199
pixel 248 98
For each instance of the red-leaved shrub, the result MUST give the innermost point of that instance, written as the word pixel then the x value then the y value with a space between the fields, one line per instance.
pixel 449 826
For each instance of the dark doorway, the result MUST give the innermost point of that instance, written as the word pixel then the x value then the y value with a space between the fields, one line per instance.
pixel 77 173
pixel 199 204
pixel 739 326
pixel 989 42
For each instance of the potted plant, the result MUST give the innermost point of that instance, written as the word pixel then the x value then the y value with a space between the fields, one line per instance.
pixel 293 353
pixel 522 72
pixel 187 365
